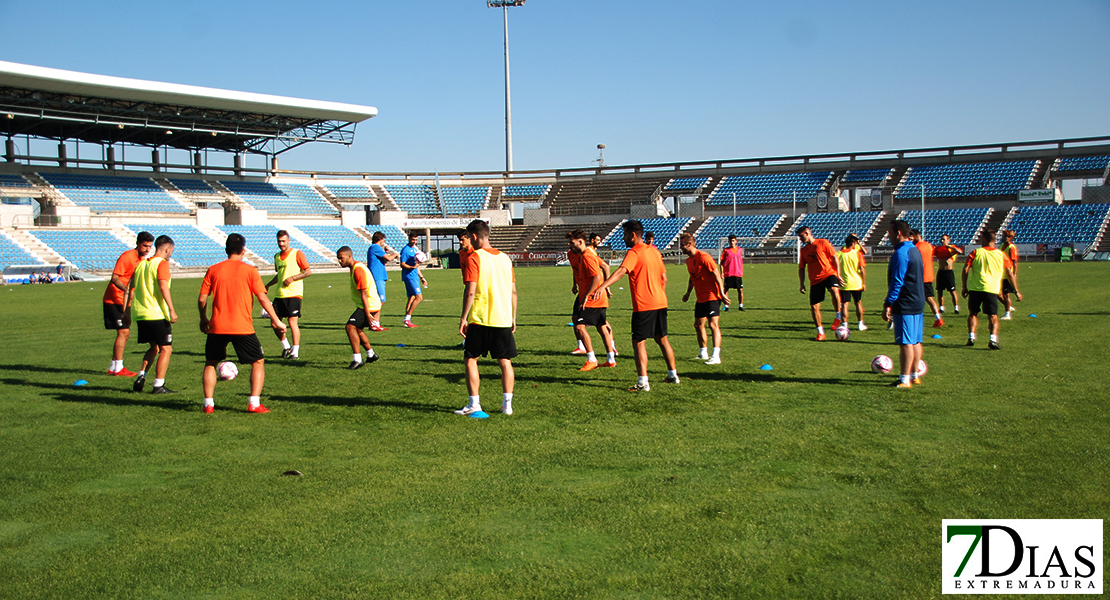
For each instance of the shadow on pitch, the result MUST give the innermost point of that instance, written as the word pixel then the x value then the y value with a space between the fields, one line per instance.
pixel 44 369
pixel 344 401
pixel 770 377
pixel 61 386
pixel 136 400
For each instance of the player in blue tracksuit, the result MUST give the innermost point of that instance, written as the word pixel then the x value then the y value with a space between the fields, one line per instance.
pixel 905 302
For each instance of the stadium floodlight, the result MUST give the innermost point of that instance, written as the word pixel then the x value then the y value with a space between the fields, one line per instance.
pixel 504 6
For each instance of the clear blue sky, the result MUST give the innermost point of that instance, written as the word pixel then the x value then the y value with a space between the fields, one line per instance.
pixel 655 81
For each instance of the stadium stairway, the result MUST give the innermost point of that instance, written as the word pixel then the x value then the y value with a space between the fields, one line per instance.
pixel 995 222
pixel 51 195
pixel 494 200
pixel 230 198
pixel 513 238
pixel 877 233
pixel 1041 174
pixel 32 245
pixel 387 201
pixel 175 193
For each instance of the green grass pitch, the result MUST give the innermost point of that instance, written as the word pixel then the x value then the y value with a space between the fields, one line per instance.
pixel 812 480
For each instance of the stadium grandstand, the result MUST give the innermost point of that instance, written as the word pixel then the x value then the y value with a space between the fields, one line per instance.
pixel 84 212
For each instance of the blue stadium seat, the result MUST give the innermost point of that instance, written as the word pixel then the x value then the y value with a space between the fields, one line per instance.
pixel 1076 224
pixel 334 237
pixel 88 249
pixel 281 198
pixel 978 179
pixel 1082 163
pixel 415 199
pixel 768 188
pixel 523 192
pixel 12 254
pixel 680 184
pixel 742 226
pixel 835 226
pixel 665 230
pixel 961 224
pixel 394 237
pixel 192 248
pixel 865 176
pixel 349 191
pixel 103 193
pixel 460 200
pixel 262 240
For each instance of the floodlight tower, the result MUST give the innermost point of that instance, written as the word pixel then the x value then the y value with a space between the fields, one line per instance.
pixel 504 6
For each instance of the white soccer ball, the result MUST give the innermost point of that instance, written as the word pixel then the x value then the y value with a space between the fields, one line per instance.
pixel 881 364
pixel 227 370
pixel 842 333
pixel 421 257
pixel 922 368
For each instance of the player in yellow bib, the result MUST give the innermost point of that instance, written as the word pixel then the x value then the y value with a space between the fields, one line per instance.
pixel 365 305
pixel 292 267
pixel 982 284
pixel 488 316
pixel 153 312
pixel 853 269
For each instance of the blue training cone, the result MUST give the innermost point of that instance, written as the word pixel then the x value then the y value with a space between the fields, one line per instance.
pixel 1032 316
pixel 936 336
pixel 766 368
pixel 80 382
pixel 478 414
pixel 400 345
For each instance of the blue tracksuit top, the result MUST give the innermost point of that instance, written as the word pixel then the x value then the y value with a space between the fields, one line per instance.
pixel 905 276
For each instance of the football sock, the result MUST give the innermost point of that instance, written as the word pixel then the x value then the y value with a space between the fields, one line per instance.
pixel 642 380
pixel 408 317
pixel 475 402
pixel 838 315
pixel 375 323
pixel 994 338
pixel 942 310
pixel 672 373
pixel 612 357
pixel 296 349
pixel 861 323
pixel 115 366
pixel 255 400
pixel 915 375
pixel 159 382
pixel 971 336
pixel 613 348
pixel 703 352
pixel 285 343
pixel 591 357
pixel 507 397
pixel 209 402
pixel 716 353
pixel 357 357
pixel 142 373
pixel 820 331
pixel 741 305
pixel 581 346
pixel 903 379
pixel 369 352
pixel 937 316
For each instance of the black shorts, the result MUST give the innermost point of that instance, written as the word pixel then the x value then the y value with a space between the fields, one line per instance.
pixel 359 319
pixel 498 342
pixel 591 317
pixel 1007 287
pixel 113 316
pixel 946 281
pixel 817 290
pixel 929 293
pixel 649 324
pixel 853 295
pixel 576 309
pixel 159 333
pixel 706 310
pixel 285 308
pixel 985 300
pixel 734 283
pixel 247 347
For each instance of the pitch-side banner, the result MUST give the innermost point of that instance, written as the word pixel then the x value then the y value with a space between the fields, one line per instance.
pixel 1021 556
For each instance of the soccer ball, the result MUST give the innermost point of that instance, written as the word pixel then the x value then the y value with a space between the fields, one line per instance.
pixel 227 370
pixel 881 364
pixel 842 333
pixel 922 368
pixel 421 257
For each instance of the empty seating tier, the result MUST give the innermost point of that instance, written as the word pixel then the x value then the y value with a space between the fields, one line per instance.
pixel 1076 224
pixel 665 230
pixel 115 194
pixel 394 237
pixel 192 248
pixel 835 227
pixel 865 176
pixel 262 240
pixel 13 254
pixel 281 198
pixel 961 224
pixel 680 184
pixel 524 192
pixel 93 250
pixel 13 181
pixel 1094 164
pixel 334 237
pixel 742 226
pixel 415 199
pixel 349 191
pixel 193 186
pixel 464 200
pixel 768 188
pixel 970 180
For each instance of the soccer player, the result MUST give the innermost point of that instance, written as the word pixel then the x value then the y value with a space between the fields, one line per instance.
pixel 853 270
pixel 824 274
pixel 732 269
pixel 595 243
pixel 926 250
pixel 292 267
pixel 1011 251
pixel 946 255
pixel 982 283
pixel 647 277
pixel 649 238
pixel 116 297
pixel 591 312
pixel 709 289
pixel 152 309
pixel 905 302
pixel 575 259
pixel 488 317
pixel 365 304
pixel 465 248
pixel 410 274
pixel 377 256
pixel 233 285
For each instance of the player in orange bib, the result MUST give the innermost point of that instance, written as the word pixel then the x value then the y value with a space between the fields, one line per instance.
pixel 591 312
pixel 946 254
pixel 233 285
pixel 824 274
pixel 709 288
pixel 1009 248
pixel 117 295
pixel 647 276
pixel 926 250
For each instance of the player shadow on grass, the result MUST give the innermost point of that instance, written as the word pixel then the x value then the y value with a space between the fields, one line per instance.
pixel 43 369
pixel 769 377
pixel 57 386
pixel 360 401
pixel 135 400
